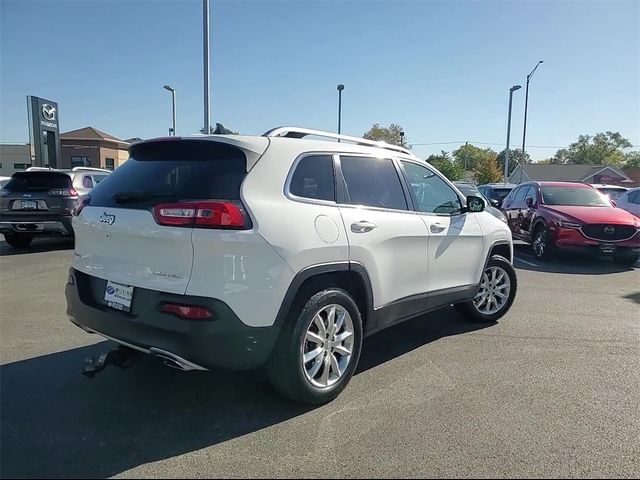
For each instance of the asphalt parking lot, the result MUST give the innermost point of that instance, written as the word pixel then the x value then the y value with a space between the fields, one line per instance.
pixel 553 390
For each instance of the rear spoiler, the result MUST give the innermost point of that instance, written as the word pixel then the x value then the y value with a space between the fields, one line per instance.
pixel 252 146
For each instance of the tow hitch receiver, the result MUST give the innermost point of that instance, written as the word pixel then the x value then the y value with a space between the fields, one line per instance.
pixel 122 357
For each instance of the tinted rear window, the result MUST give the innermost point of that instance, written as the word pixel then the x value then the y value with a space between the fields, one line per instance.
pixel 37 181
pixel 173 171
pixel 373 182
pixel 501 193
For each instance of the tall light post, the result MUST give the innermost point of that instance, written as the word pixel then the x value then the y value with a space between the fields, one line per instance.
pixel 506 155
pixel 340 89
pixel 173 106
pixel 524 131
pixel 205 34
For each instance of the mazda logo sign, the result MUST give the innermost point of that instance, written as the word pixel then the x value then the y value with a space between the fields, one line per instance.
pixel 609 230
pixel 48 112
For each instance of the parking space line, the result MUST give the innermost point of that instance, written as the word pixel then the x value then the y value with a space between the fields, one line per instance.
pixel 527 262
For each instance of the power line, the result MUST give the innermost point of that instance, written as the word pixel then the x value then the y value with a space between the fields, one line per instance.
pixel 495 144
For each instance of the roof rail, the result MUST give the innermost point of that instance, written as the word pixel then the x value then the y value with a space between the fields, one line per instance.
pixel 89 169
pixel 40 169
pixel 297 132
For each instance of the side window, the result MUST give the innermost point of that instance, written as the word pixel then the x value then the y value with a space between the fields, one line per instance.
pixel 634 197
pixel 432 194
pixel 531 193
pixel 373 182
pixel 313 178
pixel 520 194
pixel 87 182
pixel 509 198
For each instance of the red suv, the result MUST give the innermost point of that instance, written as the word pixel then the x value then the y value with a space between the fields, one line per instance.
pixel 556 216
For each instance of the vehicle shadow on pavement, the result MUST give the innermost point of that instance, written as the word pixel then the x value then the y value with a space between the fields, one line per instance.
pixel 56 423
pixel 39 245
pixel 571 264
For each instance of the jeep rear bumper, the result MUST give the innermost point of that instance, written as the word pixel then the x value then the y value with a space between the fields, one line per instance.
pixel 222 342
pixel 34 226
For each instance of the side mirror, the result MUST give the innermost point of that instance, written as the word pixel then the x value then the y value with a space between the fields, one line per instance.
pixel 495 203
pixel 475 204
pixel 529 202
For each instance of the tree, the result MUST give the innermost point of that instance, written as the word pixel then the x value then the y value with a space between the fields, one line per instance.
pixel 515 157
pixel 601 149
pixel 469 156
pixel 488 171
pixel 632 160
pixel 382 134
pixel 443 162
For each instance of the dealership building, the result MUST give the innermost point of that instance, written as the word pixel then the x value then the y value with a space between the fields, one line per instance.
pixel 85 147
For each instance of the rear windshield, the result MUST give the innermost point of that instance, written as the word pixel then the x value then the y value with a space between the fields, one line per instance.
pixel 575 196
pixel 173 171
pixel 501 193
pixel 612 192
pixel 468 190
pixel 37 181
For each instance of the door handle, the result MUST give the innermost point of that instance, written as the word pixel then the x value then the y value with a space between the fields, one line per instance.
pixel 362 226
pixel 437 228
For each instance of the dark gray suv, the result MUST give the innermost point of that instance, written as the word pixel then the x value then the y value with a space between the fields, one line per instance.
pixel 39 202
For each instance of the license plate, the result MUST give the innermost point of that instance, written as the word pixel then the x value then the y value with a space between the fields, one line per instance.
pixel 607 248
pixel 29 204
pixel 118 296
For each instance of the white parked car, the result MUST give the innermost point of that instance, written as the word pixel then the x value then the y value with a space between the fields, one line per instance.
pixel 630 201
pixel 235 251
pixel 611 191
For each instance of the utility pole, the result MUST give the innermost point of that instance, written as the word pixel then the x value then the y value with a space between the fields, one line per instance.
pixel 205 32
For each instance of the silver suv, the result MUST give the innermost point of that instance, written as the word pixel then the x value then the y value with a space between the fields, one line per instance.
pixel 40 202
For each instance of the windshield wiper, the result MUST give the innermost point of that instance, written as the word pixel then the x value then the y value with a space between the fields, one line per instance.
pixel 136 196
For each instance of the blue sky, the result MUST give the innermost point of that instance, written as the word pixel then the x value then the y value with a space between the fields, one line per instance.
pixel 442 70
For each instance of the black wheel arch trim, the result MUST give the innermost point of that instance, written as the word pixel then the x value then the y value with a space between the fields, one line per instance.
pixel 320 269
pixel 490 254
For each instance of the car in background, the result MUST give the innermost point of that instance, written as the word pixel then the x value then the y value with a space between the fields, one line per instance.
pixel 630 201
pixel 564 216
pixel 4 181
pixel 40 201
pixel 611 191
pixel 496 192
pixel 469 189
pixel 83 178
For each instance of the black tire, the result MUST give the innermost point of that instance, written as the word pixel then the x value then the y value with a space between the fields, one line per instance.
pixel 626 259
pixel 546 252
pixel 468 310
pixel 285 368
pixel 17 241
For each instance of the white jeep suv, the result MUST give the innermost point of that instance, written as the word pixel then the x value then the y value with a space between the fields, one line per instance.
pixel 237 251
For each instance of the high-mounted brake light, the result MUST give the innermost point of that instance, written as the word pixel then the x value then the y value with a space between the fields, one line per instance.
pixel 189 312
pixel 208 214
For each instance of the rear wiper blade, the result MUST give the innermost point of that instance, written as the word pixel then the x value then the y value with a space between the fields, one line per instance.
pixel 135 196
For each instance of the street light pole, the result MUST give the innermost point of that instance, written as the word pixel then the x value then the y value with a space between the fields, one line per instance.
pixel 506 155
pixel 173 105
pixel 340 88
pixel 205 32
pixel 524 131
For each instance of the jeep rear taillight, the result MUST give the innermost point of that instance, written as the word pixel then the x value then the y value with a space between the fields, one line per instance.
pixel 63 192
pixel 82 202
pixel 206 214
